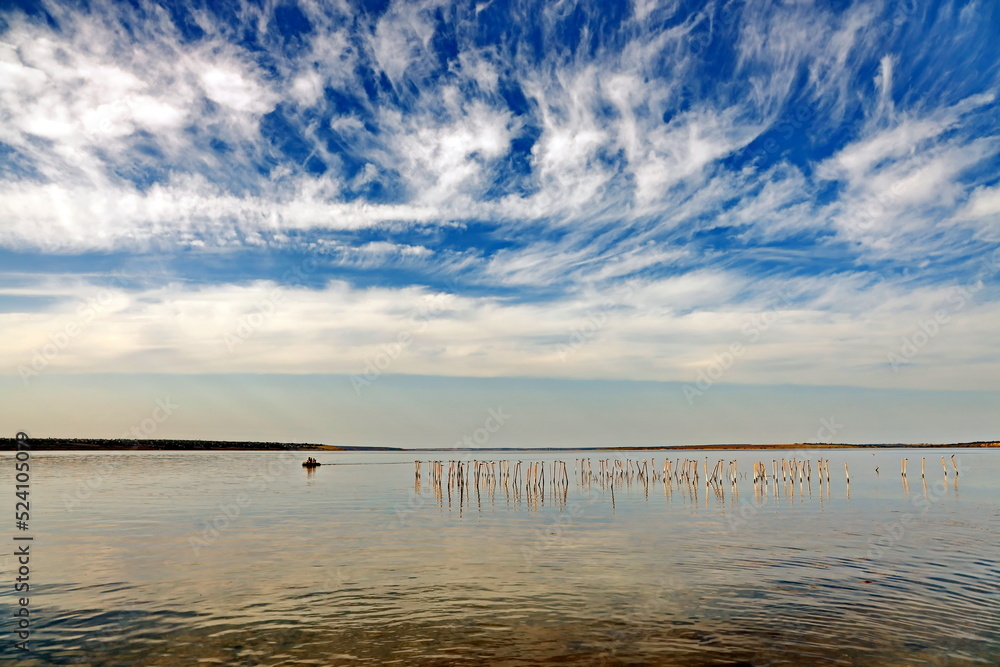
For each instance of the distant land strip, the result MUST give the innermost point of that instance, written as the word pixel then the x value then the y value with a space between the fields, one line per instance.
pixel 96 444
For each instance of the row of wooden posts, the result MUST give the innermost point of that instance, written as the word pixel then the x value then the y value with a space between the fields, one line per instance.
pixel 473 473
pixel 944 466
pixel 466 478
pixel 532 476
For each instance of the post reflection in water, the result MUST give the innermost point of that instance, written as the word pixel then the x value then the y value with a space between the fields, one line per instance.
pixel 533 487
pixel 561 557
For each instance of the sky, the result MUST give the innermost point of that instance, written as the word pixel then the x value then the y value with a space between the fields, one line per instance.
pixel 372 223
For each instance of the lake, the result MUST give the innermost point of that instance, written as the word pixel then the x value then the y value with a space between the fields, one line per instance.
pixel 223 558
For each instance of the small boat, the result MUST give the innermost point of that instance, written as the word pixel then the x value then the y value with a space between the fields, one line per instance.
pixel 306 464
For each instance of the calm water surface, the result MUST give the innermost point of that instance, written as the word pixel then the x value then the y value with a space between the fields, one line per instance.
pixel 249 559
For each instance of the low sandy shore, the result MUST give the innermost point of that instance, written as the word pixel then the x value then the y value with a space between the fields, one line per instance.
pixel 87 444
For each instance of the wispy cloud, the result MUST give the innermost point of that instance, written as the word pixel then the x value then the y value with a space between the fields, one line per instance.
pixel 532 157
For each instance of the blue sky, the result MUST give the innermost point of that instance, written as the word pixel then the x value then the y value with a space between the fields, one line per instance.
pixel 680 195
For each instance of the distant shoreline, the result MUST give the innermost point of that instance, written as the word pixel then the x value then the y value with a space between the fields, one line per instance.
pixel 99 445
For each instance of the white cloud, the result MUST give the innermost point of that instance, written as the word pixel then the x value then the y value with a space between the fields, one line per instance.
pixel 605 154
pixel 629 167
pixel 445 157
pixel 59 218
pixel 830 333
pixel 883 83
pixel 401 43
pixel 983 212
pixel 903 183
pixel 984 203
pixel 229 87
